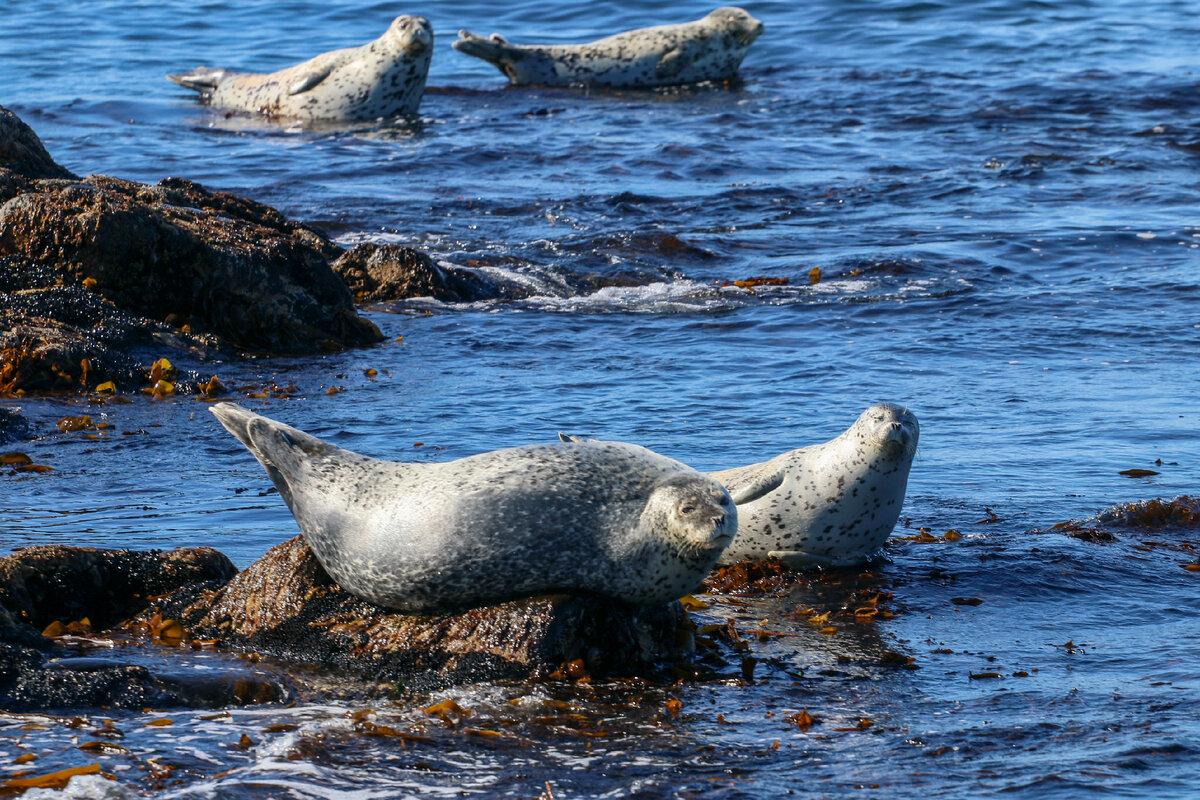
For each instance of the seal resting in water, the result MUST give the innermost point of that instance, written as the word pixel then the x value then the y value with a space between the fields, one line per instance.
pixel 708 49
pixel 831 504
pixel 604 518
pixel 382 78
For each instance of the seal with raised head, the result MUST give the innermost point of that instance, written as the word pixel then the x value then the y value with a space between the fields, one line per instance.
pixel 708 49
pixel 603 518
pixel 383 78
pixel 831 504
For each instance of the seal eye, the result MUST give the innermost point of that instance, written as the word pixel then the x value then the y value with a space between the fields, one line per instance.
pixel 687 509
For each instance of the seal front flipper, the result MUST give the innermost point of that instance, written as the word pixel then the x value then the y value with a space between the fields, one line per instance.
pixel 673 62
pixel 760 483
pixel 309 81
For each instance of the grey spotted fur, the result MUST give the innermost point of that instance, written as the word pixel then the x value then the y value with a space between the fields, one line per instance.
pixel 383 78
pixel 605 518
pixel 833 503
pixel 708 49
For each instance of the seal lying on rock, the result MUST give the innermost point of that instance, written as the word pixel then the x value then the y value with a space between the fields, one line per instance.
pixel 605 518
pixel 382 78
pixel 828 504
pixel 708 49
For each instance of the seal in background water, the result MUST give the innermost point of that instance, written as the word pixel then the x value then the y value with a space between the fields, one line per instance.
pixel 605 518
pixel 383 78
pixel 709 49
pixel 831 504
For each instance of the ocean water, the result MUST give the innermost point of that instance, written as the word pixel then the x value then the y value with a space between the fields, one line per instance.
pixel 1001 199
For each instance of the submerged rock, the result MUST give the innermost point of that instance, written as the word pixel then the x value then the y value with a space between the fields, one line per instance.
pixel 13 427
pixel 378 273
pixel 44 587
pixel 93 269
pixel 285 605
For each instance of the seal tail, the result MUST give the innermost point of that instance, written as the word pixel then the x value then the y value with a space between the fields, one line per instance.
pixel 202 79
pixel 495 49
pixel 281 449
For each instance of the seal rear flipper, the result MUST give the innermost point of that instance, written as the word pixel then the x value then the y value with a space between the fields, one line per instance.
pixel 202 79
pixel 495 49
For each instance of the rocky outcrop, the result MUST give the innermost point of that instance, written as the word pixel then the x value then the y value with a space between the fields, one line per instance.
pixel 285 605
pixel 22 152
pixel 378 273
pixel 41 588
pixel 95 270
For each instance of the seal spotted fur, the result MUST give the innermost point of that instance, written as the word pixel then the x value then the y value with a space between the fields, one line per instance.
pixel 708 49
pixel 833 503
pixel 605 518
pixel 382 78
pixel 828 504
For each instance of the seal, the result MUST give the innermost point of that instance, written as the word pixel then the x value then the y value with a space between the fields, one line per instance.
pixel 383 78
pixel 708 49
pixel 832 504
pixel 604 518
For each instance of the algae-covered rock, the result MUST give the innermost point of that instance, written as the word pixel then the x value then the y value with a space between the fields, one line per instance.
pixel 378 273
pixel 285 605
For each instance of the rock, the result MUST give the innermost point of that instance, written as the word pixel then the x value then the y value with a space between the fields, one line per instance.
pixel 48 583
pixel 98 273
pixel 286 606
pixel 22 152
pixel 13 427
pixel 250 279
pixel 40 585
pixel 379 273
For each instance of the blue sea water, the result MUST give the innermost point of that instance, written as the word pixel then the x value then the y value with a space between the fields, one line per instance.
pixel 1001 198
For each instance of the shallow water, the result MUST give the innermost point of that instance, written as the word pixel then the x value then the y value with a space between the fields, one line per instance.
pixel 1001 200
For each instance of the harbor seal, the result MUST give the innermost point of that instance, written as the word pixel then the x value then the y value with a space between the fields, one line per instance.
pixel 708 49
pixel 383 78
pixel 831 504
pixel 603 518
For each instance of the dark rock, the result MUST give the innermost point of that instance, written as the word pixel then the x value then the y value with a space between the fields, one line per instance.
pixel 286 606
pixel 51 583
pixel 22 151
pixel 261 287
pixel 13 427
pixel 94 271
pixel 31 682
pixel 379 273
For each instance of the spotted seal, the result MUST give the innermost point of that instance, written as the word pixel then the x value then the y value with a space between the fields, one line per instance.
pixel 828 504
pixel 383 78
pixel 834 503
pixel 708 49
pixel 603 518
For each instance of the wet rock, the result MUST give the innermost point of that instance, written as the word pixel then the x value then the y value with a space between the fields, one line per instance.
pixel 95 270
pixel 286 606
pixel 48 583
pixel 218 266
pixel 13 427
pixel 378 273
pixel 22 152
